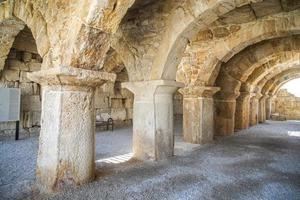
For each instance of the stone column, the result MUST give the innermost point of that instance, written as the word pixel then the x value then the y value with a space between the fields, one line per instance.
pixel 66 144
pixel 242 111
pixel 198 110
pixel 254 107
pixel 153 137
pixel 269 108
pixel 224 116
pixel 262 109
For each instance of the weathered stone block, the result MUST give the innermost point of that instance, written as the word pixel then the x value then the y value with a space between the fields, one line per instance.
pixel 16 65
pixel 101 101
pixel 26 57
pixel 34 66
pixel 7 125
pixel 11 75
pixel 36 88
pixel 126 93
pixel 116 103
pixel 118 113
pixel 108 87
pixel 26 88
pixel 129 112
pixel 31 103
pixel 23 77
pixel 35 118
pixel 128 103
pixel 26 120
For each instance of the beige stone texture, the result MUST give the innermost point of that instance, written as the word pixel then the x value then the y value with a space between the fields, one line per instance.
pixel 153 137
pixel 287 105
pixel 224 117
pixel 242 111
pixel 198 114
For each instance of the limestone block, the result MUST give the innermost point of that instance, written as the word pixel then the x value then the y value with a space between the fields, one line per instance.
pixel 118 113
pixel 12 54
pixel 11 75
pixel 108 87
pixel 31 103
pixel 103 114
pixel 126 93
pixel 26 119
pixel 36 88
pixel 26 88
pixel 116 103
pixel 128 103
pixel 36 118
pixel 129 112
pixel 101 101
pixel 34 66
pixel 26 57
pixel 16 65
pixel 23 77
pixel 7 125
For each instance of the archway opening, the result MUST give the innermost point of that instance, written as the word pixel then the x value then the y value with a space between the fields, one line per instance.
pixel 19 159
pixel 287 101
pixel 113 115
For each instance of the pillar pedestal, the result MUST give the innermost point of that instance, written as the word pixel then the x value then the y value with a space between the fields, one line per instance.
pixel 153 137
pixel 242 111
pixel 198 110
pixel 66 144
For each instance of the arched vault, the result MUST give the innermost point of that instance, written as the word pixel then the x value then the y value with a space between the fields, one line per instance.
pixel 78 41
pixel 259 58
pixel 274 84
pixel 218 44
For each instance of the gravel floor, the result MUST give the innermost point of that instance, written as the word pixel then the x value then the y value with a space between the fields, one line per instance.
pixel 262 162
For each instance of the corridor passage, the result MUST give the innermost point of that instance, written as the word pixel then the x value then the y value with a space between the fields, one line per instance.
pixel 262 162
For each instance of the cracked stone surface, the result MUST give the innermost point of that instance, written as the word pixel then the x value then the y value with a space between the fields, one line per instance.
pixel 258 163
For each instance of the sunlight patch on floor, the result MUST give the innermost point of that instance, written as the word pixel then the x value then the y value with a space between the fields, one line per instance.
pixel 116 159
pixel 294 133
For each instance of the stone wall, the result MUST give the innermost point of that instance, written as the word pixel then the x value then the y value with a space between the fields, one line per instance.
pixel 17 65
pixel 113 101
pixel 287 105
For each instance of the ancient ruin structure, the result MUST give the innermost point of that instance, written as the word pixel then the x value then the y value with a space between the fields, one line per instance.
pixel 287 105
pixel 219 64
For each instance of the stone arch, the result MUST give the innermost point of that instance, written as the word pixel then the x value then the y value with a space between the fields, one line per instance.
pixel 238 69
pixel 290 66
pixel 222 49
pixel 16 19
pixel 214 50
pixel 276 82
pixel 278 86
pixel 279 61
pixel 174 42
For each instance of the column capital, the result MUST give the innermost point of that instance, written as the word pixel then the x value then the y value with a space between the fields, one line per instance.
pixel 152 86
pixel 70 76
pixel 258 95
pixel 244 95
pixel 199 91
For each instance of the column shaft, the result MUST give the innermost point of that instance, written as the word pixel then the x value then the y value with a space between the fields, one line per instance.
pixel 66 145
pixel 198 114
pixel 153 137
pixel 224 117
pixel 67 136
pixel 198 124
pixel 253 111
pixel 242 111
